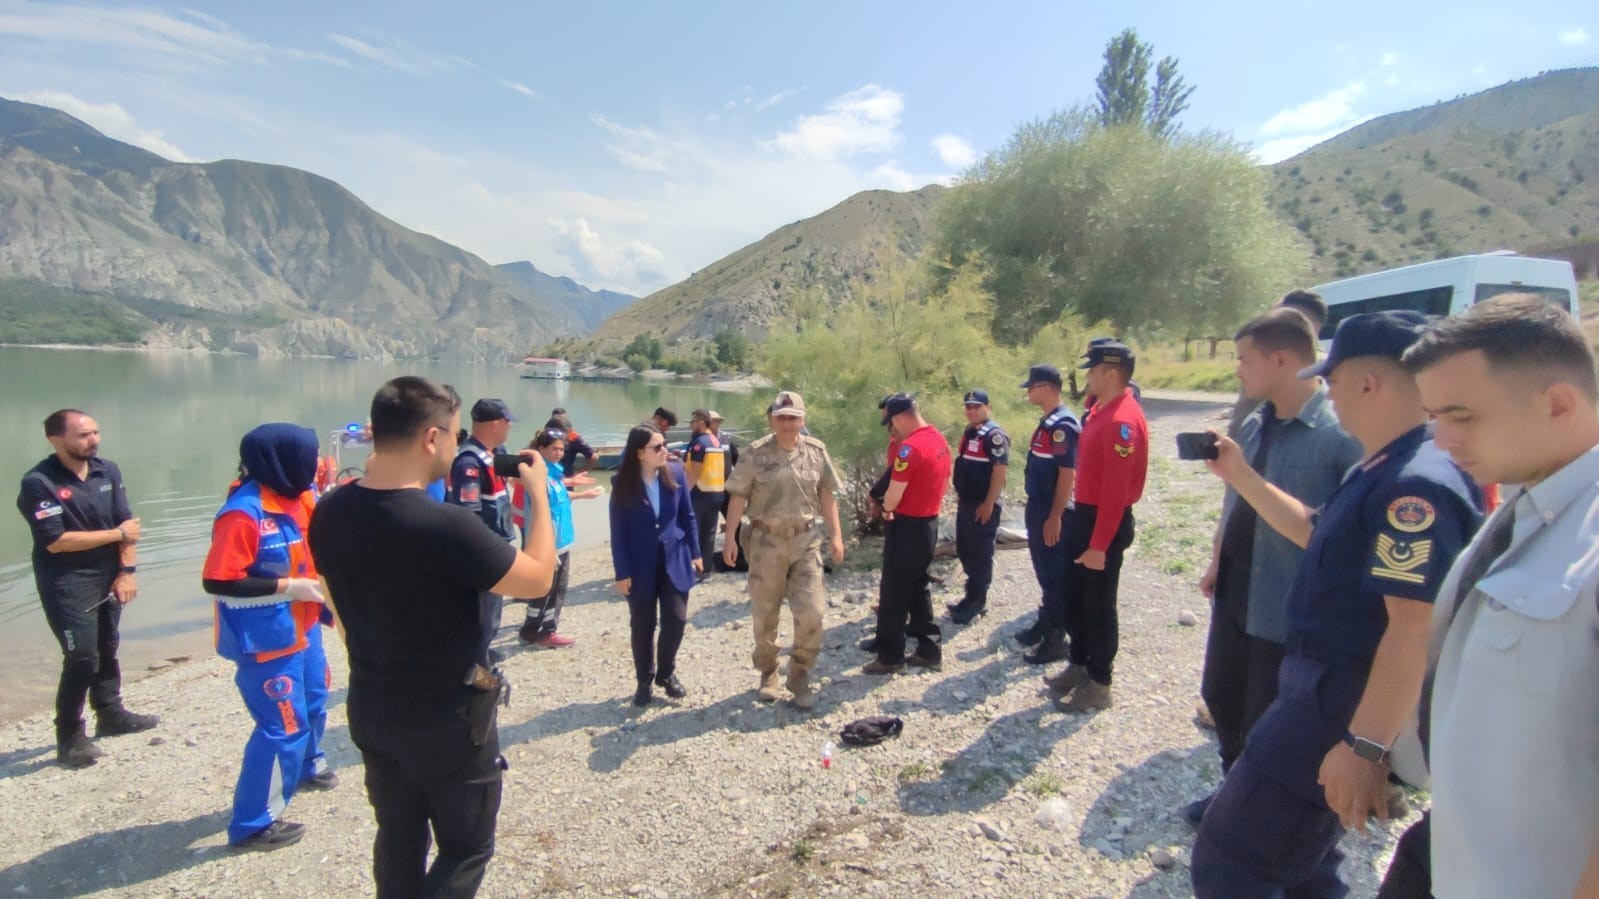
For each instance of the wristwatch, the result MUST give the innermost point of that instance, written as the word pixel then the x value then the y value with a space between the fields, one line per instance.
pixel 129 569
pixel 1373 752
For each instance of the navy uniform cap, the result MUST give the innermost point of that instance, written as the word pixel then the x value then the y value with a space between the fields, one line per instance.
pixel 1042 374
pixel 1385 334
pixel 978 397
pixel 1105 351
pixel 896 404
pixel 491 409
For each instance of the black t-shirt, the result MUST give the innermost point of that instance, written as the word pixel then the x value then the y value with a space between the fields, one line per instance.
pixel 1238 535
pixel 54 501
pixel 405 572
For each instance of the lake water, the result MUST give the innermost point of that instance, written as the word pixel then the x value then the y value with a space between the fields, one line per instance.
pixel 172 422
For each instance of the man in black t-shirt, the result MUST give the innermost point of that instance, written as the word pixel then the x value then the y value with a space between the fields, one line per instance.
pixel 403 576
pixel 83 553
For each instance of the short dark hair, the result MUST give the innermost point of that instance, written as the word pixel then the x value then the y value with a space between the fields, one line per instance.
pixel 55 424
pixel 666 415
pixel 1517 332
pixel 407 405
pixel 1308 302
pixel 1283 329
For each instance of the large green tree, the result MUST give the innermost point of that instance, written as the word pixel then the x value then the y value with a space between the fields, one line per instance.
pixel 1124 95
pixel 1154 235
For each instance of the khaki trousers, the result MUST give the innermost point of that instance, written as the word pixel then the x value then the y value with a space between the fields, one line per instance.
pixel 788 567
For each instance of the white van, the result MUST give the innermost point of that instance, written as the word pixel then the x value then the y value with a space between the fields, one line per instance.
pixel 1448 286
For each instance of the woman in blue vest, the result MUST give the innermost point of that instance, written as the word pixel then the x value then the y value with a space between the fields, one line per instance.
pixel 655 550
pixel 268 608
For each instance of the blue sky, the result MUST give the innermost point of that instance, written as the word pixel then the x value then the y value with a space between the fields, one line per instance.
pixel 629 144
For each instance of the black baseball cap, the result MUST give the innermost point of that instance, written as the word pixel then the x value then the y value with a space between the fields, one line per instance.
pixel 1042 374
pixel 1109 352
pixel 978 397
pixel 1385 334
pixel 896 404
pixel 491 409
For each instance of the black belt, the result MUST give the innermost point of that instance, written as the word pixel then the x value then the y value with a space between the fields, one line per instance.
pixel 1322 651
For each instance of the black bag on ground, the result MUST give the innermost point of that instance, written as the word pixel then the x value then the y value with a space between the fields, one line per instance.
pixel 871 731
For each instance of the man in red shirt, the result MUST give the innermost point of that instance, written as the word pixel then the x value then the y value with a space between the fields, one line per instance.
pixel 1112 461
pixel 918 478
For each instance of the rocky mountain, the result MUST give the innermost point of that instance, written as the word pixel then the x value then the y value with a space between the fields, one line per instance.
pixel 591 306
pixel 753 288
pixel 243 256
pixel 1513 167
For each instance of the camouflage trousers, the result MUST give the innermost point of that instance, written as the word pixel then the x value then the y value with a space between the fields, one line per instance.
pixel 786 567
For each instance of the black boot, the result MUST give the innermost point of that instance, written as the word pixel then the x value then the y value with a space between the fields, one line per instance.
pixel 674 688
pixel 73 749
pixel 968 610
pixel 641 696
pixel 118 721
pixel 1033 634
pixel 1052 648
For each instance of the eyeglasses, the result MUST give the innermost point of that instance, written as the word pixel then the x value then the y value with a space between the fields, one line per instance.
pixel 653 447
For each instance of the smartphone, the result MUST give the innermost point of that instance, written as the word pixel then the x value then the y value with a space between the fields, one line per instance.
pixel 505 464
pixel 1196 446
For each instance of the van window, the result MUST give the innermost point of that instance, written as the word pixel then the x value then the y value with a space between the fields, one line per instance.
pixel 1431 301
pixel 1556 295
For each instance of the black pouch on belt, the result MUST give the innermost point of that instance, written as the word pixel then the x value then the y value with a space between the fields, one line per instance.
pixel 490 690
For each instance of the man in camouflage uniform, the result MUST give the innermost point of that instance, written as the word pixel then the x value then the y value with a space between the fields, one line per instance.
pixel 785 480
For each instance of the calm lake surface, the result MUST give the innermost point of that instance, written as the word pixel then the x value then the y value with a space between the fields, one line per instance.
pixel 172 421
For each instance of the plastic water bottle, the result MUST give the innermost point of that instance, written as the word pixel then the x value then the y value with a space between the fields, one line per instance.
pixel 827 754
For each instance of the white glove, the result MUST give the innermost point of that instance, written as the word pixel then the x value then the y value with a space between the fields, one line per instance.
pixel 304 589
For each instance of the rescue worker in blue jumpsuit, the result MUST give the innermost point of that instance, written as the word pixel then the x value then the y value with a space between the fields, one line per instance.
pixel 1050 473
pixel 981 460
pixel 269 609
pixel 474 485
pixel 1359 610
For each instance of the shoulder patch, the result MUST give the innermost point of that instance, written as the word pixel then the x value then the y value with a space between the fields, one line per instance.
pixel 905 452
pixel 998 440
pixel 469 472
pixel 1123 451
pixel 1411 514
pixel 901 465
pixel 1059 436
pixel 1127 432
pixel 1404 561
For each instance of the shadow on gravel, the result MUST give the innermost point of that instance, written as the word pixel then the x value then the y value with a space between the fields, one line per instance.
pixel 1142 797
pixel 597 590
pixel 114 860
pixel 719 613
pixel 985 771
pixel 18 762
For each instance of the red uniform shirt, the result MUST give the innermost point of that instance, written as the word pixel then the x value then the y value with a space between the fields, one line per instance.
pixel 1112 461
pixel 922 464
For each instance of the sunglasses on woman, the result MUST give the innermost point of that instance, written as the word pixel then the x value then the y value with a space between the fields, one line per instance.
pixel 653 447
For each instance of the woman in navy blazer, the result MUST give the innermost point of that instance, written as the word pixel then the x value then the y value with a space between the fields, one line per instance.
pixel 656 552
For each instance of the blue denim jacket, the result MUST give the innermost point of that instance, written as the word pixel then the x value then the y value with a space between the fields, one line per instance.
pixel 1307 459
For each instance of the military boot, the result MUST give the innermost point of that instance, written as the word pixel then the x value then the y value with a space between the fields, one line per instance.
pixel 73 749
pixel 804 693
pixel 1033 634
pixel 1089 697
pixel 1070 678
pixel 1050 649
pixel 968 610
pixel 118 721
pixel 770 688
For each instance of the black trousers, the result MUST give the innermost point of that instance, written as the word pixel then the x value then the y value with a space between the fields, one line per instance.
pixel 1091 611
pixel 706 507
pixel 670 606
pixel 85 623
pixel 427 782
pixel 544 614
pixel 1239 681
pixel 903 593
pixel 974 546
pixel 1410 873
pixel 1051 566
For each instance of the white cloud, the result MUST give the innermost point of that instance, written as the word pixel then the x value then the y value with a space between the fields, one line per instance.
pixel 955 151
pixel 865 120
pixel 520 88
pixel 1575 37
pixel 891 175
pixel 1274 151
pixel 150 36
pixel 775 99
pixel 109 119
pixel 1389 59
pixel 1334 108
pixel 395 54
pixel 607 260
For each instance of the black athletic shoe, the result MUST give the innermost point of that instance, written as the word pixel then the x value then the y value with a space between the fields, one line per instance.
pixel 122 721
pixel 673 687
pixel 324 781
pixel 76 751
pixel 274 836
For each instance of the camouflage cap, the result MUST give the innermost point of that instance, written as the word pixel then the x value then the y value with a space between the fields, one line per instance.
pixel 789 403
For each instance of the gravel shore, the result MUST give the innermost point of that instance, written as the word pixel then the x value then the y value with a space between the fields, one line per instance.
pixel 989 791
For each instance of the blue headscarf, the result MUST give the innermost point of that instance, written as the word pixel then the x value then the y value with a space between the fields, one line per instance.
pixel 281 456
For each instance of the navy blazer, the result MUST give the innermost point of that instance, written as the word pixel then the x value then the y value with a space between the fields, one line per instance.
pixel 640 537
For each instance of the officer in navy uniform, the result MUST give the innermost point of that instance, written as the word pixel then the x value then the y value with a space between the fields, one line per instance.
pixel 474 485
pixel 1050 473
pixel 1358 615
pixel 981 461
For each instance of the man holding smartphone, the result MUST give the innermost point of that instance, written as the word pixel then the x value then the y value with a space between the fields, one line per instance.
pixel 1293 440
pixel 475 485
